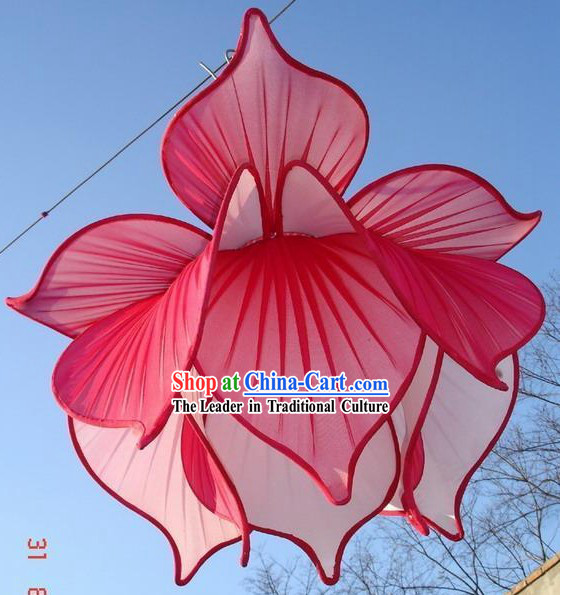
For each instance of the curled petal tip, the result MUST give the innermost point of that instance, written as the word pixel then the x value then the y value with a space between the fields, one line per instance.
pixel 499 383
pixel 329 580
pixel 494 380
pixel 534 215
pixel 11 302
pixel 144 441
pixel 17 303
pixel 456 536
pixel 256 13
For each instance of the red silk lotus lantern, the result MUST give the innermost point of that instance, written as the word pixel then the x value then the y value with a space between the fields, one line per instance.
pixel 399 282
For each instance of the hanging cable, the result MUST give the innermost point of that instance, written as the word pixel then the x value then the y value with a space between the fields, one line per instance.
pixel 211 75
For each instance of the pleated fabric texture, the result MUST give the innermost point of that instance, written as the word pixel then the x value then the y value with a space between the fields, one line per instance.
pixel 399 282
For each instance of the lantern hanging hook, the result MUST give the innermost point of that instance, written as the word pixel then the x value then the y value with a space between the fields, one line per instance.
pixel 228 55
pixel 207 69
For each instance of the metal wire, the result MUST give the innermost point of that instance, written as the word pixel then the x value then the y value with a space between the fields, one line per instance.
pixel 211 75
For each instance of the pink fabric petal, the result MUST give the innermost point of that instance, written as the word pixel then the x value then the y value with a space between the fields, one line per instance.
pixel 244 219
pixel 434 230
pixel 282 499
pixel 152 483
pixel 442 208
pixel 463 423
pixel 477 310
pixel 309 206
pixel 295 303
pixel 107 266
pixel 118 372
pixel 446 423
pixel 265 109
pixel 408 417
pixel 206 475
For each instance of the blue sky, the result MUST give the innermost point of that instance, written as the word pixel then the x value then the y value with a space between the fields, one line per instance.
pixel 472 83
